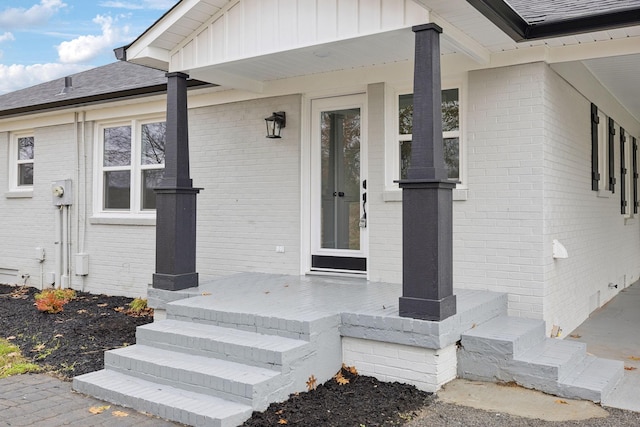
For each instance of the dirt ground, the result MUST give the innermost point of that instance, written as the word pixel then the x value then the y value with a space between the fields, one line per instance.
pixel 72 342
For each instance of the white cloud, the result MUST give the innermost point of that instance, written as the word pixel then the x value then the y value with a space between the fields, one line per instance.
pixel 7 36
pixel 14 77
pixel 85 48
pixel 38 14
pixel 121 5
pixel 145 4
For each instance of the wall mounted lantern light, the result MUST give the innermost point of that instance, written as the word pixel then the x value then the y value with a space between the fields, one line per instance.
pixel 275 123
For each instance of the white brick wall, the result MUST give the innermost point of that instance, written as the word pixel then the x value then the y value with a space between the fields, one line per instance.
pixel 251 198
pixel 602 248
pixel 498 231
pixel 250 203
pixel 427 369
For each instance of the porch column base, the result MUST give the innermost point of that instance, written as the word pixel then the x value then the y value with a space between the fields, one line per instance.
pixel 427 309
pixel 175 282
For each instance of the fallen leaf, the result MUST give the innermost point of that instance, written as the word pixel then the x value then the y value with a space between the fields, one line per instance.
pixel 280 412
pixel 575 336
pixel 95 410
pixel 630 368
pixel 83 311
pixel 58 336
pixel 206 294
pixel 39 347
pixel 103 305
pixel 283 421
pixel 11 338
pixel 340 379
pixel 311 384
pixel 473 326
pixel 350 369
pixel 119 414
pixel 562 402
pixel 635 358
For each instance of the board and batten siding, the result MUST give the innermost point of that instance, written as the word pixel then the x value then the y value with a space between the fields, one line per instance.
pixel 250 28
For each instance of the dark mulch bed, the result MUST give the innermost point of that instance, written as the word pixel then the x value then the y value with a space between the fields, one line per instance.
pixel 363 402
pixel 72 342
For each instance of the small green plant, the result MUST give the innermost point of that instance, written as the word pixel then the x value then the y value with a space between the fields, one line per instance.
pixel 53 300
pixel 138 305
pixel 12 362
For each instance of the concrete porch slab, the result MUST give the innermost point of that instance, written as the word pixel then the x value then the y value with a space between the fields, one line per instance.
pixel 367 310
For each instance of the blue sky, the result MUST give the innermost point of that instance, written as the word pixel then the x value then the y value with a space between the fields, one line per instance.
pixel 41 40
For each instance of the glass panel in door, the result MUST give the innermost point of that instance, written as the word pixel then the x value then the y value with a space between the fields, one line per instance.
pixel 340 176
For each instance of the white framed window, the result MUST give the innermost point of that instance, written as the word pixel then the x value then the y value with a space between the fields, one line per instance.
pixel 129 165
pixel 22 155
pixel 399 140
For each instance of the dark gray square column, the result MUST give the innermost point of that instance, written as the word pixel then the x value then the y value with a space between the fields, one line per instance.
pixel 427 218
pixel 176 198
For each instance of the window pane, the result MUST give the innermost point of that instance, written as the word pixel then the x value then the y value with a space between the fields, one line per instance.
pixel 450 110
pixel 451 158
pixel 405 114
pixel 153 140
pixel 405 158
pixel 25 174
pixel 117 146
pixel 117 189
pixel 25 148
pixel 150 180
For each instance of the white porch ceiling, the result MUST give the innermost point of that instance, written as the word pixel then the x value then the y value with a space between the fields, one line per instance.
pixel 481 40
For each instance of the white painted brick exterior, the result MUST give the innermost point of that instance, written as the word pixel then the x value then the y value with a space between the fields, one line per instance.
pixel 603 247
pixel 251 198
pixel 527 140
pixel 498 230
pixel 424 368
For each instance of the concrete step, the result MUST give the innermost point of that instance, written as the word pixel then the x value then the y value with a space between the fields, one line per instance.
pixel 515 349
pixel 551 358
pixel 249 385
pixel 162 400
pixel 300 325
pixel 593 379
pixel 504 337
pixel 267 351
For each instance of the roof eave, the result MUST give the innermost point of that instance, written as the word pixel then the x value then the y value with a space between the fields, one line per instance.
pixel 512 24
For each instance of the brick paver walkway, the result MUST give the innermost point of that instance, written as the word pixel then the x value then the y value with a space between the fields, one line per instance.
pixel 40 400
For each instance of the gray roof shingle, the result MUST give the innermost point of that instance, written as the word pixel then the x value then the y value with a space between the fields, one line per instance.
pixel 539 11
pixel 101 83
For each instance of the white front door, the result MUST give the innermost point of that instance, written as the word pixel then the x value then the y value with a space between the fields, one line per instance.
pixel 338 180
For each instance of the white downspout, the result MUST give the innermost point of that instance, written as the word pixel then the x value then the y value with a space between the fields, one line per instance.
pixel 58 245
pixel 64 283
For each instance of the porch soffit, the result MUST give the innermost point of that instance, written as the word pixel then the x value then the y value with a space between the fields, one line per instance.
pixel 612 55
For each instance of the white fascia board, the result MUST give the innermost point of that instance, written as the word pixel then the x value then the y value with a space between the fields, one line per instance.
pixel 146 40
pixel 461 41
pixel 154 57
pixel 598 49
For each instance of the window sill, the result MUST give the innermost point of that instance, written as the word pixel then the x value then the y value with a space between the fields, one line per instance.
pixel 19 194
pixel 605 194
pixel 123 220
pixel 459 194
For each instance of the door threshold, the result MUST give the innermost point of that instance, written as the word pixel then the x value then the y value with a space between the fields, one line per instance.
pixel 338 273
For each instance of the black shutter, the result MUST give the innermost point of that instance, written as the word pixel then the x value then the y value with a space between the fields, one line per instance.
pixel 623 174
pixel 595 175
pixel 634 165
pixel 611 153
